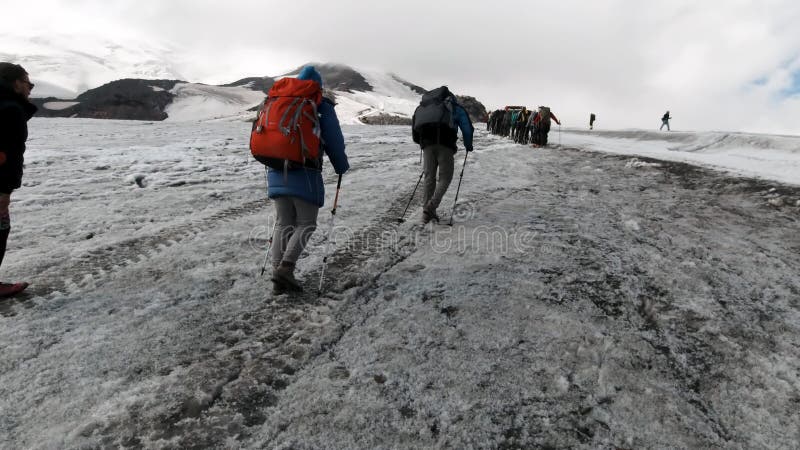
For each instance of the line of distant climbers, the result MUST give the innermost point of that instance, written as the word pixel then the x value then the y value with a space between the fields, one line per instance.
pixel 522 124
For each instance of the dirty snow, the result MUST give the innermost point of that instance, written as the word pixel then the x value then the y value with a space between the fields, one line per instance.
pixel 580 300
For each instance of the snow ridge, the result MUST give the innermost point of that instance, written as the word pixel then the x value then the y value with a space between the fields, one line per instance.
pixel 65 65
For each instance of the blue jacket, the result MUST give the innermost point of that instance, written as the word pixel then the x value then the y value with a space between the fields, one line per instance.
pixel 462 120
pixel 307 183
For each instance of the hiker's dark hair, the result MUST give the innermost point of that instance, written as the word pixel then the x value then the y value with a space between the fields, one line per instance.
pixel 10 73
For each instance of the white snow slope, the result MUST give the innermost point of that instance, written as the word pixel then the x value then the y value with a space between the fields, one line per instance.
pixel 203 102
pixel 388 96
pixel 65 65
pixel 582 299
pixel 757 155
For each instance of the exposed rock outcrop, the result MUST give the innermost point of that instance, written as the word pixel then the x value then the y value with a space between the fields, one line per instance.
pixel 338 77
pixel 385 119
pixel 129 99
pixel 255 83
pixel 475 109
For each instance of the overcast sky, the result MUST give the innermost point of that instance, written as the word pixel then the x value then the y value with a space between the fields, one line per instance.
pixel 726 65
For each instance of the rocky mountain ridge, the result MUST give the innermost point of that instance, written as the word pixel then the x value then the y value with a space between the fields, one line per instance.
pixel 369 98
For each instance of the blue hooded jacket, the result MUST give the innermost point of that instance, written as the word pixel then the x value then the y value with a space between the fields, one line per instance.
pixel 306 183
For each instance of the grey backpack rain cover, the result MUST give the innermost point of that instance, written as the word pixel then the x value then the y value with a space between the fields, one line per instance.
pixel 436 108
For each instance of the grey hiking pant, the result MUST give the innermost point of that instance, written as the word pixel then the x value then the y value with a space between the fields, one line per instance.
pixel 296 222
pixel 437 158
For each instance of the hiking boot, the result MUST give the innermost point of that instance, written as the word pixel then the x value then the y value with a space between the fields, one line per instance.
pixel 11 289
pixel 284 276
pixel 278 288
pixel 427 216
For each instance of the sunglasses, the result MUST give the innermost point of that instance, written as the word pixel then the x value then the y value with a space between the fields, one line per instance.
pixel 30 85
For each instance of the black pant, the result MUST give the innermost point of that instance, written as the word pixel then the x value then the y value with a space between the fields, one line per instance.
pixel 3 241
pixel 540 134
pixel 5 221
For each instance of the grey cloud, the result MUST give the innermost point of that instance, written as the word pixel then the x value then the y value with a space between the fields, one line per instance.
pixel 625 60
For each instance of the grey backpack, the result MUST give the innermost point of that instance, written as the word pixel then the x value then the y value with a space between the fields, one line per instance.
pixel 436 108
pixel 544 114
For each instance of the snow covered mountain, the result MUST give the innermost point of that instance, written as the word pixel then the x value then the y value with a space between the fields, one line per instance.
pixel 82 75
pixel 362 96
pixel 93 76
pixel 65 65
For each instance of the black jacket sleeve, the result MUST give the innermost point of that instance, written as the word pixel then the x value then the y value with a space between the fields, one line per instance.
pixel 414 132
pixel 13 133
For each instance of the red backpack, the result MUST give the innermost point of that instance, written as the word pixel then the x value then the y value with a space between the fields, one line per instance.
pixel 286 133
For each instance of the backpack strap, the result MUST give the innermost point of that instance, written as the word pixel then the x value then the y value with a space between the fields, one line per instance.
pixel 286 129
pixel 316 128
pixel 314 117
pixel 264 112
pixel 267 105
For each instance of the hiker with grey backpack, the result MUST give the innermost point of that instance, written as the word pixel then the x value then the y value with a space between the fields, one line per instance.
pixel 541 125
pixel 434 127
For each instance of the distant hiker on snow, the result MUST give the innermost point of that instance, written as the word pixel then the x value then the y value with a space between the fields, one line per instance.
pixel 591 121
pixel 505 126
pixel 15 111
pixel 294 127
pixel 520 124
pixel 541 125
pixel 435 127
pixel 665 121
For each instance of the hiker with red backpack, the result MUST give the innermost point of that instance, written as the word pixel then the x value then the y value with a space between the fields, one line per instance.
pixel 541 125
pixel 295 126
pixel 434 127
pixel 15 111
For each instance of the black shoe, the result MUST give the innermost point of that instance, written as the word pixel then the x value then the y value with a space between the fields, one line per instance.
pixel 428 216
pixel 284 276
pixel 278 288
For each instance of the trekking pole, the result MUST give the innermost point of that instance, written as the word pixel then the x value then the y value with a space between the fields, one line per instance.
pixel 559 135
pixel 401 220
pixel 272 235
pixel 330 232
pixel 269 245
pixel 459 188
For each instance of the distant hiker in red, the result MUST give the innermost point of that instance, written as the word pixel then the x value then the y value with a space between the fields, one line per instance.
pixel 15 111
pixel 541 125
pixel 296 126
